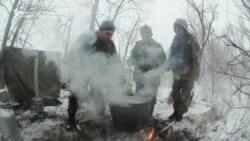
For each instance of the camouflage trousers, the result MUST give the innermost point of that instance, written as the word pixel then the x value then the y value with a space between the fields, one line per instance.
pixel 182 94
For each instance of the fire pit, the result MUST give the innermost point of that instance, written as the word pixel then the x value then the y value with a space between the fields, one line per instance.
pixel 131 118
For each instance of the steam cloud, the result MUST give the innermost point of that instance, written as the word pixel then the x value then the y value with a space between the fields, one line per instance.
pixel 103 74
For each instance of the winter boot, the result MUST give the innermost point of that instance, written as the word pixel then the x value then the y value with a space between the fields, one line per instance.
pixel 72 109
pixel 178 117
pixel 173 116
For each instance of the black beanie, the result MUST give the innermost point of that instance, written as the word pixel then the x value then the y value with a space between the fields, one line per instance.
pixel 107 25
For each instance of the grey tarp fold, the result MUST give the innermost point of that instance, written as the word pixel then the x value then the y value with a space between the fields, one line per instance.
pixel 19 75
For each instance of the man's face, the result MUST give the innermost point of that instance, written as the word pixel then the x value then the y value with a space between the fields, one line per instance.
pixel 106 35
pixel 179 31
pixel 146 36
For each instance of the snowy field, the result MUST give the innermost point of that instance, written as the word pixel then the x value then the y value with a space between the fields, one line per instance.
pixel 201 119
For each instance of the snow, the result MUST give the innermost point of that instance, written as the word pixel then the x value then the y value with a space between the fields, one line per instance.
pixel 202 119
pixel 35 130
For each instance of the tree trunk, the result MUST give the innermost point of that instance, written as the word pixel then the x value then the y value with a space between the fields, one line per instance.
pixel 8 26
pixel 20 25
pixel 117 10
pixel 129 40
pixel 93 15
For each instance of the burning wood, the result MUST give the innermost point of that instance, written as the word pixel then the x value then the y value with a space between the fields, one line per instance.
pixel 151 135
pixel 143 135
pixel 156 130
pixel 102 128
pixel 168 126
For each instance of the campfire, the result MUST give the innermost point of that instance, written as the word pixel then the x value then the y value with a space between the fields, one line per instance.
pixel 154 130
pixel 143 135
pixel 150 135
pixel 127 123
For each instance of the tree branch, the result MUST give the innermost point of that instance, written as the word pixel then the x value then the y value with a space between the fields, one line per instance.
pixel 117 10
pixel 93 15
pixel 210 26
pixel 230 43
pixel 5 8
pixel 20 25
pixel 7 29
pixel 129 39
pixel 246 6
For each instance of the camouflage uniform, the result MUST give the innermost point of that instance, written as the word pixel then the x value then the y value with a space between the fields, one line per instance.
pixel 185 65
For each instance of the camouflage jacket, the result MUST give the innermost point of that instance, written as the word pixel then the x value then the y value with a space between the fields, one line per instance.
pixel 185 57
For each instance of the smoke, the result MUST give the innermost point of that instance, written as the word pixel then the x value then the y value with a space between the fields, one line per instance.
pixel 97 71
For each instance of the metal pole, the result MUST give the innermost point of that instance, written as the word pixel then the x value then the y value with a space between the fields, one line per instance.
pixel 36 77
pixel 37 100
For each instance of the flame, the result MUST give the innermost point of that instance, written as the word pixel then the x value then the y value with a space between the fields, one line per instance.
pixel 143 135
pixel 150 135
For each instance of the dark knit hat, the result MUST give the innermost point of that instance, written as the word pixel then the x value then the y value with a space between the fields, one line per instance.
pixel 146 29
pixel 107 25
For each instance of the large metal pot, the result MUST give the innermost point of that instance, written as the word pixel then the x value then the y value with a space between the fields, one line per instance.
pixel 130 118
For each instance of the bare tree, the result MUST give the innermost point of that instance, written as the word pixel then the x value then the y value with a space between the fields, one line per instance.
pixel 118 12
pixel 8 25
pixel 131 37
pixel 109 10
pixel 203 28
pixel 237 38
pixel 201 17
pixel 16 32
pixel 93 15
pixel 20 23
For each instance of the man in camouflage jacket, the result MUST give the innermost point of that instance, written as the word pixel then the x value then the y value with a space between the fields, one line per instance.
pixel 184 62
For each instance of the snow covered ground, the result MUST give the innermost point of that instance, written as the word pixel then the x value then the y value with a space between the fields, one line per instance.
pixel 201 119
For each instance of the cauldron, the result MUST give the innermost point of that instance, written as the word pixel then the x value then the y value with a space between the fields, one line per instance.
pixel 130 118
